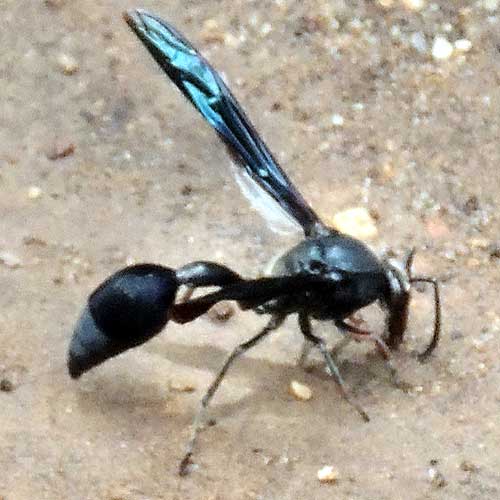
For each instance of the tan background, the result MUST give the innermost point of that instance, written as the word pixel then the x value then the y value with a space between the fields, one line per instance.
pixel 148 181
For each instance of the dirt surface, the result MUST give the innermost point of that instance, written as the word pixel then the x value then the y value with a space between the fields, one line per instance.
pixel 103 163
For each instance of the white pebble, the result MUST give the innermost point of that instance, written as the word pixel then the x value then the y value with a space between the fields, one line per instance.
pixel 436 478
pixel 210 24
pixel 337 120
pixel 34 192
pixel 10 260
pixel 265 29
pixel 463 45
pixel 356 222
pixel 395 31
pixel 447 27
pixel 328 474
pixel 356 24
pixel 441 48
pixel 414 4
pixel 300 391
pixel 418 42
pixel 490 5
pixel 67 64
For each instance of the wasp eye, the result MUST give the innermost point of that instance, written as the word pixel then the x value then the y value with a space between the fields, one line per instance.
pixel 316 266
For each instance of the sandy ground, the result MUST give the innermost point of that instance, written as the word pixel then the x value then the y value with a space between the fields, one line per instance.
pixel 102 163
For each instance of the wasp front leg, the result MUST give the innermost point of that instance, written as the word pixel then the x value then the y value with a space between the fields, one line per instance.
pixel 360 334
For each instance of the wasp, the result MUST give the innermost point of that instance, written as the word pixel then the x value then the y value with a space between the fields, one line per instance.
pixel 327 276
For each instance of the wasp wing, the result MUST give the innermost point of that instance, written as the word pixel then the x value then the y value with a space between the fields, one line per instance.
pixel 204 87
pixel 264 204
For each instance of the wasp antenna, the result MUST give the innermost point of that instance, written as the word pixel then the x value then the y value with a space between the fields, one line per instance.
pixel 437 316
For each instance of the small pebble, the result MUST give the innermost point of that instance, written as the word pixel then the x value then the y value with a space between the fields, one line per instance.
pixel 299 391
pixel 337 120
pixel 180 386
pixel 395 32
pixel 482 369
pixel 210 24
pixel 6 385
pixel 67 64
pixel 265 29
pixel 34 192
pixel 356 222
pixel 60 151
pixel 442 49
pixel 473 263
pixel 436 478
pixel 231 41
pixel 31 240
pixel 447 27
pixel 328 474
pixel 415 5
pixel 436 388
pixel 356 24
pixel 468 466
pixel 463 45
pixel 479 243
pixel 10 260
pixel 490 5
pixel 494 250
pixel 471 205
pixel 388 171
pixel 211 33
pixel 418 42
pixel 221 312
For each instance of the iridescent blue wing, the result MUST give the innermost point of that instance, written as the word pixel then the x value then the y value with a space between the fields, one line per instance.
pixel 203 86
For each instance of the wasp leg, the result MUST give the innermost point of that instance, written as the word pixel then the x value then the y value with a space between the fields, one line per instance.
pixel 308 345
pixel 305 328
pixel 365 335
pixel 274 322
pixel 202 274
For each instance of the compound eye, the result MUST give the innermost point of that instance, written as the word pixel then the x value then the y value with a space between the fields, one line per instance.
pixel 317 267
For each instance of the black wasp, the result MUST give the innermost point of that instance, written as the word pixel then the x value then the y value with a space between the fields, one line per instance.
pixel 327 276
